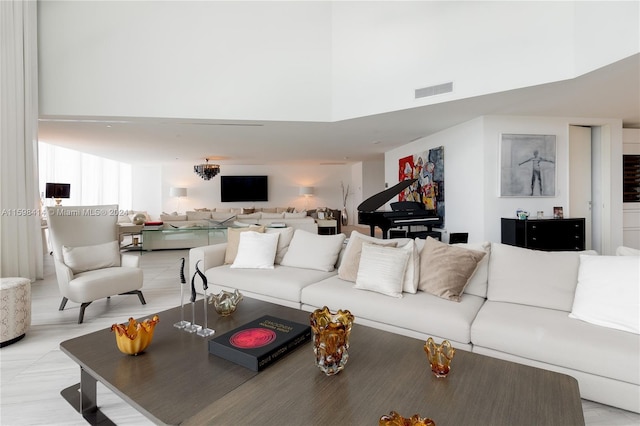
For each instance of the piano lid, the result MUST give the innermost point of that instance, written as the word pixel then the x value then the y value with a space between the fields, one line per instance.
pixel 376 201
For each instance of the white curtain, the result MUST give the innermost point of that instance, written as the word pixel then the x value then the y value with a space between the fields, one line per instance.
pixel 94 180
pixel 21 243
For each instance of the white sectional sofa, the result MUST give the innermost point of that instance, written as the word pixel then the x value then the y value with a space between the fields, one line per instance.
pixel 516 305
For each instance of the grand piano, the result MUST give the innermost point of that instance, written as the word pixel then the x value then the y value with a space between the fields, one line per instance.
pixel 404 213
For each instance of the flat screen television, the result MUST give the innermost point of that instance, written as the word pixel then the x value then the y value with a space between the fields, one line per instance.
pixel 58 190
pixel 243 188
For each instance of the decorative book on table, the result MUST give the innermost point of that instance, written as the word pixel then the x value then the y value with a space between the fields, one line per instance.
pixel 261 342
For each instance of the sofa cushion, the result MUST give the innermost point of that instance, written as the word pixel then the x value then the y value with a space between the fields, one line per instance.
pixel 421 312
pixel 294 215
pixel 382 269
pixel 281 282
pixel 551 337
pixel 313 251
pixel 233 240
pixel 266 215
pixel 608 292
pixel 286 234
pixel 256 250
pixel 350 261
pixel 532 277
pixel 198 215
pixel 173 217
pixel 88 258
pixel 252 216
pixel 217 215
pixel 446 269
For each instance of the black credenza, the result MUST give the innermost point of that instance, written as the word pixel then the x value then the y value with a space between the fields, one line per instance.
pixel 544 234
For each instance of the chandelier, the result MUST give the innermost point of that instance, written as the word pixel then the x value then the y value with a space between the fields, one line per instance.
pixel 206 171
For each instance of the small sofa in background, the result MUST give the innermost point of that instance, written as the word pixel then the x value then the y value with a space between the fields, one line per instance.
pixel 204 219
pixel 502 301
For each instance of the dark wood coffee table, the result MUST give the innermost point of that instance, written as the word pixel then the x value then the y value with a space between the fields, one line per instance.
pixel 176 381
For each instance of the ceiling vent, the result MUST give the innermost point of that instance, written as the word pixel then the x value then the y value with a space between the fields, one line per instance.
pixel 434 90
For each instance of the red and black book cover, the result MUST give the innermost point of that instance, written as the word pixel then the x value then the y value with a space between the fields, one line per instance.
pixel 261 342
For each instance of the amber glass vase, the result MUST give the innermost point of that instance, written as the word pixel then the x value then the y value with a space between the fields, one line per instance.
pixel 439 356
pixel 331 332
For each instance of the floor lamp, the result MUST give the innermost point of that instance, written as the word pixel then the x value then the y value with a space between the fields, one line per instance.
pixel 178 192
pixel 306 191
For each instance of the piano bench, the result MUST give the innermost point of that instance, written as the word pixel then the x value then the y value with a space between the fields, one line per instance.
pixel 424 234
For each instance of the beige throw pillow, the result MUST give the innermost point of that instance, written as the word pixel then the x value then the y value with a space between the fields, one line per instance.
pixel 350 262
pixel 233 240
pixel 445 270
pixel 286 234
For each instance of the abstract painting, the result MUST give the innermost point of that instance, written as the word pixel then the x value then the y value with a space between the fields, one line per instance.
pixel 428 168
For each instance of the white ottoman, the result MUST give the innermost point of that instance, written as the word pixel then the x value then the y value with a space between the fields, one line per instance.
pixel 15 307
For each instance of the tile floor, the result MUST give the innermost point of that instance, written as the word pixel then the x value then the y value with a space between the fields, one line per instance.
pixel 34 370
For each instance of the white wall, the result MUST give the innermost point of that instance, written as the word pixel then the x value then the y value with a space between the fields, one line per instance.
pixel 383 51
pixel 152 184
pixel 179 59
pixel 464 168
pixel 312 60
pixel 471 152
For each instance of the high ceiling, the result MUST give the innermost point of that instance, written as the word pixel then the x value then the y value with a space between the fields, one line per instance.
pixel 610 92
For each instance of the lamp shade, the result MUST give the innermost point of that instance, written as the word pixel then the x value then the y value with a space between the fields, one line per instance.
pixel 178 192
pixel 306 190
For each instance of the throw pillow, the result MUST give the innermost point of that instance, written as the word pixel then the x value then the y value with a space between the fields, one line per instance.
pixel 627 251
pixel 382 269
pixel 350 262
pixel 286 234
pixel 247 210
pixel 607 293
pixel 445 270
pixel 313 251
pixel 256 250
pixel 233 240
pixel 88 258
pixel 412 272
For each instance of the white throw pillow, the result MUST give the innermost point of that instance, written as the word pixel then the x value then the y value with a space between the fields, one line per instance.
pixel 313 251
pixel 256 250
pixel 88 258
pixel 412 272
pixel 382 269
pixel 233 241
pixel 608 292
pixel 286 234
pixel 627 251
pixel 350 262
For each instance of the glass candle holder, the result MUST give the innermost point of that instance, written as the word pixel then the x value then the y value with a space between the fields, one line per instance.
pixel 331 332
pixel 439 356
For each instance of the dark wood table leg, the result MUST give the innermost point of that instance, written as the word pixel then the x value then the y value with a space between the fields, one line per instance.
pixel 84 398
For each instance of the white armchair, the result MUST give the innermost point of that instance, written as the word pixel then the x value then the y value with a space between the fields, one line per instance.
pixel 87 256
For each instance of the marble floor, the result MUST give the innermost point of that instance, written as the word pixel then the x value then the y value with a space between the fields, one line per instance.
pixel 34 370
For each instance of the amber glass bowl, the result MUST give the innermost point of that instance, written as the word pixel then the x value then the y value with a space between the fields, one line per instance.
pixel 133 338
